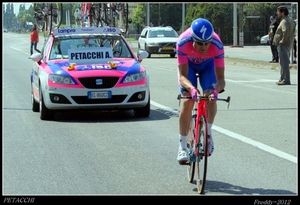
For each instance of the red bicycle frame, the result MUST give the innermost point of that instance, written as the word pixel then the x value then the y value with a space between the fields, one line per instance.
pixel 201 111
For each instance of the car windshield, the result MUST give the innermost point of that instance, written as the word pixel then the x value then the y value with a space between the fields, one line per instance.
pixel 162 33
pixel 61 45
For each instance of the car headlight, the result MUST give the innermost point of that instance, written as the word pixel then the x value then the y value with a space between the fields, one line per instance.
pixel 61 79
pixel 134 77
pixel 153 44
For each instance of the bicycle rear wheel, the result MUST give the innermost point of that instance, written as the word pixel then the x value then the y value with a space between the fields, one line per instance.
pixel 201 159
pixel 56 15
pixel 190 146
pixel 38 16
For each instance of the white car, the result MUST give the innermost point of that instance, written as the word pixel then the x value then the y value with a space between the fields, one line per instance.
pixel 158 40
pixel 264 40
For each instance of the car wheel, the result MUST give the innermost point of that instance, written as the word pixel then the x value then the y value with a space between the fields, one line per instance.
pixel 35 105
pixel 143 111
pixel 45 113
pixel 172 55
pixel 146 49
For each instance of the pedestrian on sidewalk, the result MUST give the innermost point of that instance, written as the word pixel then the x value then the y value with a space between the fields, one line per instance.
pixel 272 29
pixel 34 39
pixel 283 39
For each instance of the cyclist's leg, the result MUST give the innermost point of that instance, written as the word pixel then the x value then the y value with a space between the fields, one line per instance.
pixel 207 82
pixel 185 115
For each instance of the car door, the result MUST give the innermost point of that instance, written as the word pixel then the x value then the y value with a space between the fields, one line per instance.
pixel 142 39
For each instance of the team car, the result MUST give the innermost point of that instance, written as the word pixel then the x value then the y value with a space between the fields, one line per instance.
pixel 88 68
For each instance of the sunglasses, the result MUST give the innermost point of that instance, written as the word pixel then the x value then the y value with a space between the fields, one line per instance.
pixel 202 44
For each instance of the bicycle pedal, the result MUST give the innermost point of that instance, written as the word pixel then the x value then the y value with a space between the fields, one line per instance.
pixel 184 162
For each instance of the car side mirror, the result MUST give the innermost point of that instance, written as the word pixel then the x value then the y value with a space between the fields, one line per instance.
pixel 36 57
pixel 141 55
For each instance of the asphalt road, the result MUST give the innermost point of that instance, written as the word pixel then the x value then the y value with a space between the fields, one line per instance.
pixel 114 153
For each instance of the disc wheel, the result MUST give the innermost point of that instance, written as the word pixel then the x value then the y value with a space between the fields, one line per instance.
pixel 201 158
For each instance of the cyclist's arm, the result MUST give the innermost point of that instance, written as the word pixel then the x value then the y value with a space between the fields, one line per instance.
pixel 220 85
pixel 183 72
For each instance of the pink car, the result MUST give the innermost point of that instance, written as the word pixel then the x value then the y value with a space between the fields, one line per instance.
pixel 88 68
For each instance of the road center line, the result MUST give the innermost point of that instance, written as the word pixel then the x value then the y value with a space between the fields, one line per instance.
pixel 239 137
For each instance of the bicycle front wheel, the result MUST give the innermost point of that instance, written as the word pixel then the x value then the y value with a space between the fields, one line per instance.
pixel 201 158
pixel 190 146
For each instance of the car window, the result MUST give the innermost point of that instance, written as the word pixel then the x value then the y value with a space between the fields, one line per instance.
pixel 60 46
pixel 162 33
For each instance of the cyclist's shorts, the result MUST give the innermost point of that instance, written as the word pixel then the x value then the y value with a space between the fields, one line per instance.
pixel 207 76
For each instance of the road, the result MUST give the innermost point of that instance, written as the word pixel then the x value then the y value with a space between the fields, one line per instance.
pixel 113 153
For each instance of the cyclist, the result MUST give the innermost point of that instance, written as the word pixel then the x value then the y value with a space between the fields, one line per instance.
pixel 199 50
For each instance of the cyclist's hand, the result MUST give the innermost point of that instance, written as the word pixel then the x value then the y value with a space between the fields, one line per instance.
pixel 194 92
pixel 213 96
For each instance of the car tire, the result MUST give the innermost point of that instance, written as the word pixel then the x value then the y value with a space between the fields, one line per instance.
pixel 172 55
pixel 35 105
pixel 146 49
pixel 143 111
pixel 45 113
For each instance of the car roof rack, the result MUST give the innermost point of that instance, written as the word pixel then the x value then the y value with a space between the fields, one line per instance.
pixel 86 30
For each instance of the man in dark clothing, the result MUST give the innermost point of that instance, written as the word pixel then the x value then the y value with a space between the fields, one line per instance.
pixel 273 27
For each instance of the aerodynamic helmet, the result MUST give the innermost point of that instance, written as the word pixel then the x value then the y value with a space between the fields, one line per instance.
pixel 202 30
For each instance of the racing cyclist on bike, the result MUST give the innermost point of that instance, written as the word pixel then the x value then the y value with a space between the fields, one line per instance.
pixel 199 50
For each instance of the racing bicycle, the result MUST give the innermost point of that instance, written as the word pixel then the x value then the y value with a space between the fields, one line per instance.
pixel 198 142
pixel 48 15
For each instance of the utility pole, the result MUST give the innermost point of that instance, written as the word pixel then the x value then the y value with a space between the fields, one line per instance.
pixel 234 24
pixel 183 18
pixel 148 15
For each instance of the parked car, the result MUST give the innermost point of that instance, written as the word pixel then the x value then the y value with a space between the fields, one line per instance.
pixel 88 68
pixel 265 40
pixel 5 30
pixel 158 40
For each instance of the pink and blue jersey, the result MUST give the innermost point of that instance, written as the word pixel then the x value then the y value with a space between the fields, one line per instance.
pixel 187 53
pixel 204 64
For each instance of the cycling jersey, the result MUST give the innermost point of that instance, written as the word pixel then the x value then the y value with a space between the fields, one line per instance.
pixel 204 64
pixel 187 53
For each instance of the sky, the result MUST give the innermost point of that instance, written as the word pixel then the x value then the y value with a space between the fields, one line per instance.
pixel 17 5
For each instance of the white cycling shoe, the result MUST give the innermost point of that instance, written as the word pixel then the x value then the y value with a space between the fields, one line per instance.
pixel 183 156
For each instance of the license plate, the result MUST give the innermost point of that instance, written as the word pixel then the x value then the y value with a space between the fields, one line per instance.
pixel 99 94
pixel 168 48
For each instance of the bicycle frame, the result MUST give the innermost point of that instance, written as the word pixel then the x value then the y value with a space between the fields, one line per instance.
pixel 201 112
pixel 198 145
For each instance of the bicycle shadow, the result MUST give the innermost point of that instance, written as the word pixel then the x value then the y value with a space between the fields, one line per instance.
pixel 230 189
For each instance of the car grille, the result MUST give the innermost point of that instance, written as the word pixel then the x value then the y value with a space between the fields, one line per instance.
pixel 85 100
pixel 107 82
pixel 161 45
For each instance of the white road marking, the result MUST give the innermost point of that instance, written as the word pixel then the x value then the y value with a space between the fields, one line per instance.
pixel 239 137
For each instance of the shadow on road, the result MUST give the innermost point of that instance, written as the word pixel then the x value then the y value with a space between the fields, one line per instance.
pixel 229 189
pixel 109 116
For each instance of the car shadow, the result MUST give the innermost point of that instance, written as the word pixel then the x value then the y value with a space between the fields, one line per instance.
pixel 109 116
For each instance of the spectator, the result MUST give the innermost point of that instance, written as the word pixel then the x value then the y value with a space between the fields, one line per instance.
pixel 272 29
pixel 34 39
pixel 283 39
pixel 295 47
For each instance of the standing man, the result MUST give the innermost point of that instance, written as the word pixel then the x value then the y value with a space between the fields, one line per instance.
pixel 283 39
pixel 272 29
